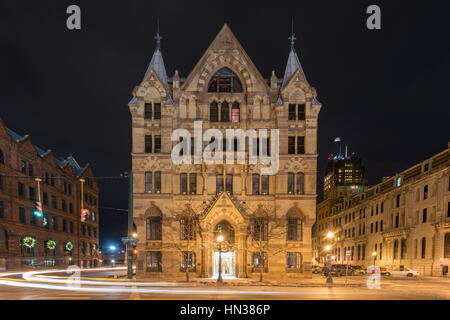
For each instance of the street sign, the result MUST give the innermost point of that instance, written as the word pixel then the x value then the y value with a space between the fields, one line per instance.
pixel 126 239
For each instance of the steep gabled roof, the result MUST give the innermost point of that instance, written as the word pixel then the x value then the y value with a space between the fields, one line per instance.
pixel 59 161
pixel 224 34
pixel 76 168
pixel 216 197
pixel 134 100
pixel 293 63
pixel 157 62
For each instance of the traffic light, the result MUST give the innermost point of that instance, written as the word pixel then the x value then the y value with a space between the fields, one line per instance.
pixel 84 214
pixel 37 210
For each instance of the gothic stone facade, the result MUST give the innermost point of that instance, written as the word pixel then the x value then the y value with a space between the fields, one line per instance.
pixel 225 197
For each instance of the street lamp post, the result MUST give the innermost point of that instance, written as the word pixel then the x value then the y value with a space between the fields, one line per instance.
pixel 330 235
pixel 374 254
pixel 329 277
pixel 220 239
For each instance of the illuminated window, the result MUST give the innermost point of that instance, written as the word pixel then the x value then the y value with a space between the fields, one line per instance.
pixel 225 80
pixel 235 112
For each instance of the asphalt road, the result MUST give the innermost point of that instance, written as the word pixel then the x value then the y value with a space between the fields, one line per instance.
pixel 391 289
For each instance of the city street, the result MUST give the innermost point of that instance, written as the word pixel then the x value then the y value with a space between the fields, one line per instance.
pixel 49 287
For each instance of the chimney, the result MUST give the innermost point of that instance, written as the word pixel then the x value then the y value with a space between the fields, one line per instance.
pixel 273 81
pixel 176 80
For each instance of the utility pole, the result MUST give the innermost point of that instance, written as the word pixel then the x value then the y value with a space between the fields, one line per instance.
pixel 130 225
pixel 82 181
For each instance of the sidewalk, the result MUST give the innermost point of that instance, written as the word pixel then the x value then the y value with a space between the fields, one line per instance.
pixel 306 282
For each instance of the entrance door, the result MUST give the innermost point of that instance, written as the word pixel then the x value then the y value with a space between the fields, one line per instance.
pixel 228 264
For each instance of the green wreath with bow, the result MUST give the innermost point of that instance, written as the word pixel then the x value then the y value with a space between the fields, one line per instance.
pixel 50 244
pixel 68 246
pixel 28 242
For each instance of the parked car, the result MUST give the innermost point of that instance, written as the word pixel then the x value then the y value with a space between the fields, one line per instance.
pixel 383 271
pixel 339 270
pixel 316 269
pixel 403 272
pixel 358 270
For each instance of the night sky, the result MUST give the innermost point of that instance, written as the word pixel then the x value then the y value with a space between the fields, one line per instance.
pixel 385 92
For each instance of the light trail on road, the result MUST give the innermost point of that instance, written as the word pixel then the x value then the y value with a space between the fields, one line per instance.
pixel 32 279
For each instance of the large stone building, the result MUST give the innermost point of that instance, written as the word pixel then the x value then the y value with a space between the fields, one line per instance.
pixel 405 220
pixel 58 237
pixel 180 210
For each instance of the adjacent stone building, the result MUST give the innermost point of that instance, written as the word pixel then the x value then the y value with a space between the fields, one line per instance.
pixel 402 222
pixel 59 237
pixel 180 210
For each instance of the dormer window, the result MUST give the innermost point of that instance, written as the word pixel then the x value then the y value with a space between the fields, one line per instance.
pixel 225 80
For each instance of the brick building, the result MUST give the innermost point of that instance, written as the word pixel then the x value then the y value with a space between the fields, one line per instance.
pixel 58 237
pixel 180 210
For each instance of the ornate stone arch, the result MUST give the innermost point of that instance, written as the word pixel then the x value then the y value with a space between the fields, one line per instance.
pixel 297 95
pixel 220 62
pixel 187 168
pixel 296 164
pixel 151 163
pixel 153 211
pixel 295 212
pixel 152 93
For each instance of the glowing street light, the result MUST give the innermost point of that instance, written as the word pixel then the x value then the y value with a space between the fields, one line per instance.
pixel 112 248
pixel 134 235
pixel 374 254
pixel 330 235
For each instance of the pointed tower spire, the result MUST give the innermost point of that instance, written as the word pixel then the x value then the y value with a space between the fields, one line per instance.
pixel 157 62
pixel 158 38
pixel 292 38
pixel 293 62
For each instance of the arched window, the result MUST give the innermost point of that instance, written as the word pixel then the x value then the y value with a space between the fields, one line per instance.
pixel 2 156
pixel 28 248
pixel 3 239
pixel 294 229
pixel 68 253
pixel 225 80
pixel 154 227
pixel 226 230
pixel 50 252
pixel 213 112
pixel 235 112
pixel 300 183
pixel 224 112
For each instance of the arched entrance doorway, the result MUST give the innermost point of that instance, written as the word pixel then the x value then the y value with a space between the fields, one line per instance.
pixel 226 252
